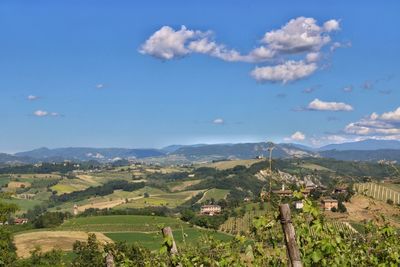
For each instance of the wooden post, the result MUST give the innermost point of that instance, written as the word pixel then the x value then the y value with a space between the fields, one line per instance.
pixel 110 260
pixel 290 237
pixel 167 234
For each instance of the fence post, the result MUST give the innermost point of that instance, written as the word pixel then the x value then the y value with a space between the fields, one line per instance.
pixel 290 237
pixel 171 245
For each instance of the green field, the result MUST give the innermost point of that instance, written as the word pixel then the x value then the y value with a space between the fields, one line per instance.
pixel 215 194
pixel 313 166
pixel 143 230
pixel 154 240
pixel 23 204
pixel 160 199
pixel 122 223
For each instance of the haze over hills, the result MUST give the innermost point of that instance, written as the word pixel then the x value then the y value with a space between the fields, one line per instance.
pixel 368 150
pixel 369 144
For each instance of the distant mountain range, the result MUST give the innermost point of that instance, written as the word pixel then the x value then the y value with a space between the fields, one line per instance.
pixel 368 150
pixel 369 144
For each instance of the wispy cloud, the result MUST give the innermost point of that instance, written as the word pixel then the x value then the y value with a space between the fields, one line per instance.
pixel 348 89
pixel 44 113
pixel 32 97
pixel 218 121
pixel 100 86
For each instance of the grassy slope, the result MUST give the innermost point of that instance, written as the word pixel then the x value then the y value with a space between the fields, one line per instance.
pixel 214 193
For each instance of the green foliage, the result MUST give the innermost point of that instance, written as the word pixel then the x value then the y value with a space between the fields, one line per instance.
pixel 88 253
pixel 101 190
pixel 7 248
pixel 51 219
pixel 38 258
pixel 6 209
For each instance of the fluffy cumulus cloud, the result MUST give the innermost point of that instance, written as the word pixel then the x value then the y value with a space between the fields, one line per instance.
pixel 301 36
pixel 298 136
pixel 218 121
pixel 43 113
pixel 167 43
pixel 385 124
pixel 286 72
pixel 317 104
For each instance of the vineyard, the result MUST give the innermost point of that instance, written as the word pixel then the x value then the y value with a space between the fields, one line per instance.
pixel 378 192
pixel 243 225
pixel 238 225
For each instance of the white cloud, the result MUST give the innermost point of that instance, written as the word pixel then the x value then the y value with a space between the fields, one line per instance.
pixel 313 57
pixel 286 72
pixel 387 124
pixel 299 36
pixel 32 97
pixel 317 104
pixel 298 136
pixel 40 113
pixel 219 121
pixel 332 25
pixel 166 43
pixel 392 115
pixel 100 86
pixel 348 89
pixel 43 113
pixel 337 45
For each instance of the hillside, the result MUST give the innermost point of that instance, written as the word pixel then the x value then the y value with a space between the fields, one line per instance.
pixel 241 151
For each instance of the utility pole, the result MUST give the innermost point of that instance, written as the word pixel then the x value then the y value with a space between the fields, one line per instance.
pixel 270 148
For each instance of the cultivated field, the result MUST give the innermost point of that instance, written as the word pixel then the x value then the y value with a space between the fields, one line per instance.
pixel 228 164
pixel 215 194
pixel 379 191
pixel 47 240
pixel 153 240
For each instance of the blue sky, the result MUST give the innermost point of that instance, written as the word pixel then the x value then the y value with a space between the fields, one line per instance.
pixel 126 74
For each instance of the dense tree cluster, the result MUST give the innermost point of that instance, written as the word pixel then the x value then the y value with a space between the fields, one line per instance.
pixel 102 190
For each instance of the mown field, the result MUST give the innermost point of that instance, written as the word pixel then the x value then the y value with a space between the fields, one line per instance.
pixel 215 194
pixel 121 223
pixel 143 230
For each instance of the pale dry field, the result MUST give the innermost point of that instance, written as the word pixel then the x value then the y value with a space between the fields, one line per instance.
pixel 223 165
pixel 362 208
pixel 15 185
pixel 185 184
pixel 106 204
pixel 47 240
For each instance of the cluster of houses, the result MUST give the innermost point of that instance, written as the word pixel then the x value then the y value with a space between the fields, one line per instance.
pixel 327 203
pixel 17 221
